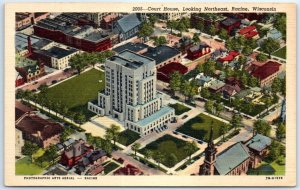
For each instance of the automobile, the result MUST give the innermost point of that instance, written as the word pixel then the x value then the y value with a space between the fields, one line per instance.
pixel 199 141
pixel 33 90
pixel 66 69
pixel 184 136
pixel 185 116
pixel 35 82
pixel 175 132
pixel 54 81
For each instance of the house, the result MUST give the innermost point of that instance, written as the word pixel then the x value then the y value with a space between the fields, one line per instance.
pixel 230 24
pixel 218 53
pixel 230 90
pixel 163 55
pixel 235 160
pixel 138 48
pixel 203 81
pixel 92 158
pixel 128 170
pixel 19 79
pixel 249 32
pixel 127 27
pixel 95 170
pixel 198 50
pixel 228 58
pixel 249 93
pixel 164 73
pixel 274 34
pixel 183 43
pixel 216 86
pixel 29 69
pixel 267 72
pixel 21 111
pixel 258 146
pixel 74 153
pixel 108 20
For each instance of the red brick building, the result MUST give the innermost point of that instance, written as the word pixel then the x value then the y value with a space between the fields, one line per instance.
pixel 230 24
pixel 249 32
pixel 164 73
pixel 85 37
pixel 198 50
pixel 267 73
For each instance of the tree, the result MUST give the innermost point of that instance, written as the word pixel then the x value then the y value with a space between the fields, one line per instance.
pixel 161 40
pixel 146 30
pixel 253 81
pixel 78 62
pixel 247 50
pixel 276 85
pixel 262 127
pixel 209 106
pixel 135 147
pixel 223 34
pixel 172 24
pixel 192 90
pixel 209 68
pixel 181 27
pixel 205 93
pixel 196 38
pixel 274 151
pixel 283 86
pixel 223 131
pixel 29 149
pixel 236 121
pixel 261 57
pixel 185 88
pixel 230 44
pixel 148 154
pixel 268 102
pixel 159 157
pixel 241 40
pixel 237 104
pixel 244 79
pixel 80 117
pixel 280 132
pixel 219 108
pixel 172 159
pixel 113 133
pixel 153 19
pixel 51 154
pixel 199 68
pixel 107 146
pixel 175 81
pixel 280 23
pixel 190 148
pixel 200 25
pixel 64 111
pixel 212 30
pixel 270 45
pixel 252 43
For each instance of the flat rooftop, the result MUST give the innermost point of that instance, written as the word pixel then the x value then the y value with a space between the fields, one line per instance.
pixel 57 52
pixel 155 116
pixel 25 62
pixel 134 47
pixel 21 42
pixel 130 59
pixel 161 53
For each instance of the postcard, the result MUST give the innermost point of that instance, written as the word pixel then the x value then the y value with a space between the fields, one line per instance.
pixel 151 94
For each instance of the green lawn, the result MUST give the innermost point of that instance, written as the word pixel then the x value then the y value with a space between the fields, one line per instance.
pixel 110 167
pixel 128 137
pixel 268 169
pixel 75 93
pixel 167 145
pixel 179 108
pixel 25 167
pixel 280 53
pixel 38 153
pixel 199 127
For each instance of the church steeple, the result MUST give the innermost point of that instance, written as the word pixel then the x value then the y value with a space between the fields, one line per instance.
pixel 207 168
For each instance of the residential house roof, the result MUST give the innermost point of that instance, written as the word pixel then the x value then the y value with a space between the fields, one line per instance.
pixel 21 109
pixel 229 57
pixel 259 142
pixel 77 149
pixel 95 169
pixel 274 33
pixel 230 89
pixel 230 158
pixel 201 79
pixel 266 70
pixel 198 47
pixel 128 170
pixel 164 72
pixel 161 53
pixel 128 22
pixel 216 85
pixel 229 21
pixel 56 52
pixel 247 29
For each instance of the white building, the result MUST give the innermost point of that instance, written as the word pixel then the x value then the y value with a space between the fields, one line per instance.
pixel 130 94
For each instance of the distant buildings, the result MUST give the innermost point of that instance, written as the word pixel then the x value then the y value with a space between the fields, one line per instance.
pixel 228 58
pixel 249 32
pixel 26 19
pixel 138 48
pixel 267 72
pixel 130 94
pixel 207 19
pixel 230 24
pixel 128 170
pixel 127 27
pixel 199 50
pixel 63 30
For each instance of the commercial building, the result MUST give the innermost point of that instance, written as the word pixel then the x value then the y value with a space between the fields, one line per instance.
pixel 26 19
pixel 164 73
pixel 63 30
pixel 267 73
pixel 199 50
pixel 130 94
pixel 127 26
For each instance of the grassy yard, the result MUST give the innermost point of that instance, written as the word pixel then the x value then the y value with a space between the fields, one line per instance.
pixel 179 108
pixel 78 91
pixel 280 53
pixel 168 145
pixel 268 169
pixel 199 127
pixel 128 137
pixel 110 167
pixel 25 167
pixel 38 153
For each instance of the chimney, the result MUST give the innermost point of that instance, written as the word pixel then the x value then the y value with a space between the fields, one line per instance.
pixel 29 47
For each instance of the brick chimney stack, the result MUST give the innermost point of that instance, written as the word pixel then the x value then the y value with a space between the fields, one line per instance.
pixel 29 47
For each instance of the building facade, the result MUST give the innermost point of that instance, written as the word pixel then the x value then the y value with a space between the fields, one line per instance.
pixel 130 94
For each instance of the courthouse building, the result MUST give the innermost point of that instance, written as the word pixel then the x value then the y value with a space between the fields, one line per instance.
pixel 130 94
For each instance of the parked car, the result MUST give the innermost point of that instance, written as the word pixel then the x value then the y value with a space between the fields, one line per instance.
pixel 54 81
pixel 184 136
pixel 185 116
